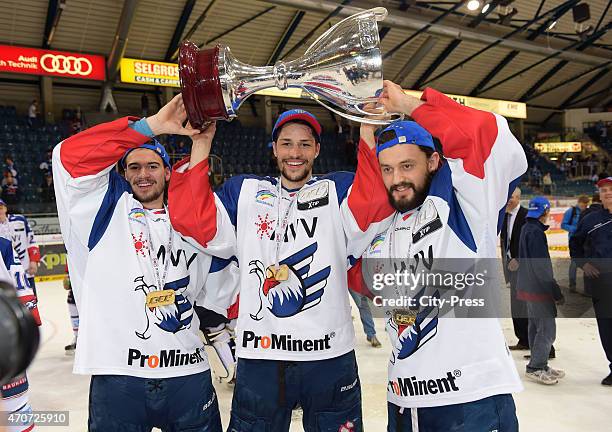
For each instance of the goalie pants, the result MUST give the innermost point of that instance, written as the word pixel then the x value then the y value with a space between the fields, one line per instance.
pixel 266 392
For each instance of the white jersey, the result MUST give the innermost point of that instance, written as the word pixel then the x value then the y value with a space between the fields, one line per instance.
pixel 436 360
pixel 17 229
pixel 111 242
pixel 303 312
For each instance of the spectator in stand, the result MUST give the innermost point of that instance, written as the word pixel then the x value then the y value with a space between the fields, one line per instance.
pixel 33 113
pixel 9 166
pixel 569 224
pixel 547 184
pixel 47 189
pixel 539 289
pixel 10 189
pixel 77 122
pixel 45 166
pixel 181 148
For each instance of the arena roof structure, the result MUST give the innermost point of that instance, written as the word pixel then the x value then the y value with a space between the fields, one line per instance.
pixel 546 53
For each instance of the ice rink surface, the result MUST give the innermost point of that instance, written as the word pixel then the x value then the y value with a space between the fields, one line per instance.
pixel 578 403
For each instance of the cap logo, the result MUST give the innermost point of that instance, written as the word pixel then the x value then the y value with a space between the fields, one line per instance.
pixel 401 139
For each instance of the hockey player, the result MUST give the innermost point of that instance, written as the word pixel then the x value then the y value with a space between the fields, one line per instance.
pixel 135 279
pixel 292 236
pixel 16 228
pixel 14 395
pixel 444 373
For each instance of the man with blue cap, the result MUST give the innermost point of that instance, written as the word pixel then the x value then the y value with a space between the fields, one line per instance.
pixel 292 236
pixel 536 285
pixel 444 373
pixel 135 280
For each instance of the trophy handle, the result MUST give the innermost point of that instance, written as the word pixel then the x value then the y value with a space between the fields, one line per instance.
pixel 395 116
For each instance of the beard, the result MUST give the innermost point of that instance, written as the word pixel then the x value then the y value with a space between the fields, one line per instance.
pixel 298 176
pixel 402 205
pixel 154 194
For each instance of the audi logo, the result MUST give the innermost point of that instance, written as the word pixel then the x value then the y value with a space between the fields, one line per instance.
pixel 70 65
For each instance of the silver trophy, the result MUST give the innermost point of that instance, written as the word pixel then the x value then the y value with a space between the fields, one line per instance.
pixel 342 67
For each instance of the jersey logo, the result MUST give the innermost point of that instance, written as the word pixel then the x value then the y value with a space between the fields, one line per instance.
pixel 264 226
pixel 265 197
pixel 376 245
pixel 295 293
pixel 137 215
pixel 313 197
pixel 414 330
pixel 428 221
pixel 140 245
pixel 171 318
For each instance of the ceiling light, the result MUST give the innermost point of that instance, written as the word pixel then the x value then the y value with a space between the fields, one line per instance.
pixel 552 24
pixel 473 5
pixel 485 8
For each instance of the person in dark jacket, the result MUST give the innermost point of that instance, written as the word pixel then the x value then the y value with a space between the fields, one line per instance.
pixel 509 237
pixel 595 206
pixel 591 247
pixel 537 286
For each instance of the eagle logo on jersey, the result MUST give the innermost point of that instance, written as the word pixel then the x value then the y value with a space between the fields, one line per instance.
pixel 298 292
pixel 417 332
pixel 172 318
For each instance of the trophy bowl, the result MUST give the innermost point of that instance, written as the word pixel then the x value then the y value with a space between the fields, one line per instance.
pixel 341 70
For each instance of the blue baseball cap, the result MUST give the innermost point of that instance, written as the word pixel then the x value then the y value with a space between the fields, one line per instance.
pixel 403 132
pixel 537 207
pixel 154 145
pixel 297 114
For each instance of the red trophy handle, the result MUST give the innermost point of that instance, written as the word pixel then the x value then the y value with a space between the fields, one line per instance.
pixel 200 85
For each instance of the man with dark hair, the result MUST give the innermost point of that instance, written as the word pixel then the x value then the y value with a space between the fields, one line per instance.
pixel 292 236
pixel 135 280
pixel 509 236
pixel 591 247
pixel 442 370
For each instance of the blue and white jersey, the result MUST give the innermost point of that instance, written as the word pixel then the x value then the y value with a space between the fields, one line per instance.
pixel 111 240
pixel 303 314
pixel 436 360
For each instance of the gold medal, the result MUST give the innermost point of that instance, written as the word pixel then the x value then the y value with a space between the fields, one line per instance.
pixel 282 273
pixel 405 317
pixel 160 298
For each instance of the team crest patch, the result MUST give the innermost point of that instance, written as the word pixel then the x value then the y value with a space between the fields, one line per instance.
pixel 428 221
pixel 265 197
pixel 313 197
pixel 137 215
pixel 264 226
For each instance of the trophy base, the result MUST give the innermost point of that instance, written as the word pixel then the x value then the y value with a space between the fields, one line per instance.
pixel 200 86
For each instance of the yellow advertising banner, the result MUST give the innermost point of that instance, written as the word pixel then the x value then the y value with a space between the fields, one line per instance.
pixel 558 147
pixel 501 107
pixel 149 72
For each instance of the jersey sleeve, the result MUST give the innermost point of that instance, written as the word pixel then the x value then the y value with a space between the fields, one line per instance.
pixel 205 218
pixel 32 247
pixel 87 187
pixel 222 287
pixel 486 161
pixel 362 197
pixel 12 272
